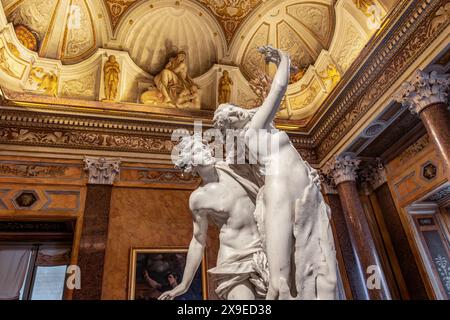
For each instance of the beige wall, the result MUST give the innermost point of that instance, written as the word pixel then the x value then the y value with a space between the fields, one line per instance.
pixel 146 218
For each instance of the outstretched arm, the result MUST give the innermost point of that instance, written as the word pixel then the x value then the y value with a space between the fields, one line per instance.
pixel 271 104
pixel 194 256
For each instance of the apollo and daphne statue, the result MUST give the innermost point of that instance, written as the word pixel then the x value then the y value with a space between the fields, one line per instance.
pixel 275 235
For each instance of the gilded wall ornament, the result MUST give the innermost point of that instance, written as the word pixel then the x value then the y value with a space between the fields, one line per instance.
pixel 84 87
pixel 330 77
pixel 225 87
pixel 79 36
pixel 31 170
pixel 26 37
pixel 362 94
pixel 230 13
pixel 86 140
pixel 117 8
pixel 442 16
pixel 173 86
pixel 364 5
pixel 111 72
pixel 34 14
pixel 46 82
pixel 5 64
pixel 166 176
pixel 316 17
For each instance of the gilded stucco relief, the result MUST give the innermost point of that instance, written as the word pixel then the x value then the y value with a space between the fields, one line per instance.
pixel 321 38
pixel 79 88
pixel 43 81
pixel 35 14
pixel 351 47
pixel 253 61
pixel 80 33
pixel 230 13
pixel 318 18
pixel 9 63
pixel 116 9
pixel 290 41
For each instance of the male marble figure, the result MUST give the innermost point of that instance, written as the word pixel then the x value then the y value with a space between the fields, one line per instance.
pixel 229 200
pixel 294 218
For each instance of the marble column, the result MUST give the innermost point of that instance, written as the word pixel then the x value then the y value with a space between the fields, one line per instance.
pixel 399 252
pixel 346 259
pixel 101 174
pixel 427 95
pixel 369 273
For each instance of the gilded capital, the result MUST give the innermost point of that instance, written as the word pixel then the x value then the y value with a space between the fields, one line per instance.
pixel 343 168
pixel 424 90
pixel 102 170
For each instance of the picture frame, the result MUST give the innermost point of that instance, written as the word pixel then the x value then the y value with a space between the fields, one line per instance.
pixel 153 271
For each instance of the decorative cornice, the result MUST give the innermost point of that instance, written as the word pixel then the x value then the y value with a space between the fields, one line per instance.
pixel 93 140
pixel 407 33
pixel 424 90
pixel 95 133
pixel 407 39
pixel 31 170
pixel 343 168
pixel 441 196
pixel 166 176
pixel 102 170
pixel 415 148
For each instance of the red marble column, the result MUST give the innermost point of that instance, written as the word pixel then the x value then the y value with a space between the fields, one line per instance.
pixel 436 119
pixel 91 256
pixel 368 267
pixel 94 234
pixel 427 95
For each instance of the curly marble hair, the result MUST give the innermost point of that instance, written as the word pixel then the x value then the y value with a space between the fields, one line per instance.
pixel 186 149
pixel 221 114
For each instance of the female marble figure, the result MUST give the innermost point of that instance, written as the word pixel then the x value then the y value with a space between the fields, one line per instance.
pixel 290 208
pixel 228 198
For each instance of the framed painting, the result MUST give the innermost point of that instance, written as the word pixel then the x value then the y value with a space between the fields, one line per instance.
pixel 156 270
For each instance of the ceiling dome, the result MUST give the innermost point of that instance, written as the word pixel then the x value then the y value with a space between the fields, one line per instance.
pixel 301 28
pixel 161 33
pixel 75 41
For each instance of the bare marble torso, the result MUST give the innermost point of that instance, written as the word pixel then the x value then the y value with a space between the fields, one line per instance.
pixel 228 205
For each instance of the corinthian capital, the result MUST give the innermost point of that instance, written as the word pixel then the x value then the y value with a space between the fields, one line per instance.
pixel 424 90
pixel 373 176
pixel 327 183
pixel 343 168
pixel 102 170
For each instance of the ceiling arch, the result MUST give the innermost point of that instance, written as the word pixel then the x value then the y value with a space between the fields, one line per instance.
pixel 302 28
pixel 152 33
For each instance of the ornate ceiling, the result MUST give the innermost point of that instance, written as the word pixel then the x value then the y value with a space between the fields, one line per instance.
pixel 323 37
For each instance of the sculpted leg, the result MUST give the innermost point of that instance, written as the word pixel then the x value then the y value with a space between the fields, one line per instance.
pixel 163 85
pixel 279 217
pixel 243 291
